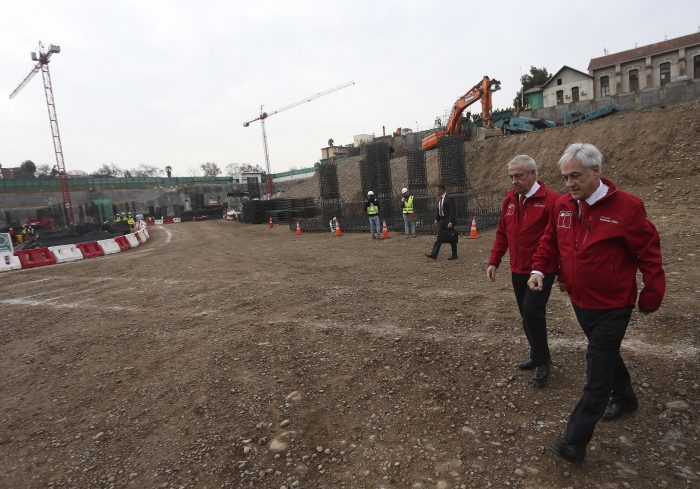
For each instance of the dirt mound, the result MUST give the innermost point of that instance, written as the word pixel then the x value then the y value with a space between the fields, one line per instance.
pixel 638 147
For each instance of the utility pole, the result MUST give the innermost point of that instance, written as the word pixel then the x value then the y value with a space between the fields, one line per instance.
pixel 42 64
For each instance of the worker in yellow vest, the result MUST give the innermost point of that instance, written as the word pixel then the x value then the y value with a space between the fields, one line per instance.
pixel 372 208
pixel 130 220
pixel 409 215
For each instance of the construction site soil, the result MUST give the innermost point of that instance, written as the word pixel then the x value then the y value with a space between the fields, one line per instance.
pixel 220 354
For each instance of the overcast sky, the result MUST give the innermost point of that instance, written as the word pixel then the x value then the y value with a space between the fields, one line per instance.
pixel 171 82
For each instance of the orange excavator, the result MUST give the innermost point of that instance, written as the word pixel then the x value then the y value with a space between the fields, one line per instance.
pixel 481 91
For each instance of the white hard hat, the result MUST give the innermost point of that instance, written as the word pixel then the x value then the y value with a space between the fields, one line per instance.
pixel 404 190
pixel 370 193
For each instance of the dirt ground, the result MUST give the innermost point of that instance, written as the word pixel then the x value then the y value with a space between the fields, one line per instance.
pixel 225 355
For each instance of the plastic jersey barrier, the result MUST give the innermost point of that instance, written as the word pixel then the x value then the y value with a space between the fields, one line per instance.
pixel 91 249
pixel 159 221
pixel 35 257
pixel 177 219
pixel 142 235
pixel 9 261
pixel 122 242
pixel 66 253
pixel 133 241
pixel 109 246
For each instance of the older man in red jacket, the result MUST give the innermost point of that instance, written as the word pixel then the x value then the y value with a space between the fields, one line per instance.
pixel 526 211
pixel 602 236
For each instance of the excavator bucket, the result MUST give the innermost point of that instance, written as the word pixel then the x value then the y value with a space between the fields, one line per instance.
pixel 431 140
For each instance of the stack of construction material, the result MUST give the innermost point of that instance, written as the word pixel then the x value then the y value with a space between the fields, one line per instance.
pixel 329 189
pixel 375 175
pixel 415 169
pixel 452 164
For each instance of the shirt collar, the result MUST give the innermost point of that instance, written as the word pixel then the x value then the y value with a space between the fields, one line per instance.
pixel 600 192
pixel 535 187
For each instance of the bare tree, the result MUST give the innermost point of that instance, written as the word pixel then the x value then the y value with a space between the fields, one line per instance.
pixel 108 171
pixel 210 169
pixel 43 171
pixel 145 170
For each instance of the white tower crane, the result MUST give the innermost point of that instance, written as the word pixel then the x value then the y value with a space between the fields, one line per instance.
pixel 265 115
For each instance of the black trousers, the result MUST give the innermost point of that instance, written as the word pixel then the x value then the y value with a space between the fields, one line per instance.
pixel 606 373
pixel 533 309
pixel 442 235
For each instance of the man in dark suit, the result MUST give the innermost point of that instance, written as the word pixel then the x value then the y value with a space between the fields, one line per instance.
pixel 445 218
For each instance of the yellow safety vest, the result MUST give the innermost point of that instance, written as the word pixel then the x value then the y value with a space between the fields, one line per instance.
pixel 408 205
pixel 373 209
pixel 130 220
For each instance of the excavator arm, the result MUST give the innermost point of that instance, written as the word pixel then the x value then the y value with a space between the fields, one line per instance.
pixel 481 91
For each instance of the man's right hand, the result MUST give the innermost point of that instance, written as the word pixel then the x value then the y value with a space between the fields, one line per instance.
pixel 535 282
pixel 491 273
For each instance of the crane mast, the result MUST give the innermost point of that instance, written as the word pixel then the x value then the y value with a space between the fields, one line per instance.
pixel 42 65
pixel 264 115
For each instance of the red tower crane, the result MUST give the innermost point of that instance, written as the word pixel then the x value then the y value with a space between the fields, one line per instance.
pixel 265 115
pixel 42 64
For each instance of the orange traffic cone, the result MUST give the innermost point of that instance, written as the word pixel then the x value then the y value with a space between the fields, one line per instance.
pixel 298 228
pixel 473 234
pixel 269 223
pixel 385 231
pixel 338 232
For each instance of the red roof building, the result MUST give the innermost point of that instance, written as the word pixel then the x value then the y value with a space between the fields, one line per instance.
pixel 653 65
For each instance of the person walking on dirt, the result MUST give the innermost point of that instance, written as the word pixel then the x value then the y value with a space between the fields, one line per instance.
pixel 372 209
pixel 445 218
pixel 525 213
pixel 409 216
pixel 602 236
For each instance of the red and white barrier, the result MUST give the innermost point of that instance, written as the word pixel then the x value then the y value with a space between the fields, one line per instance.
pixel 8 261
pixel 159 221
pixel 66 253
pixel 133 241
pixel 109 246
pixel 37 257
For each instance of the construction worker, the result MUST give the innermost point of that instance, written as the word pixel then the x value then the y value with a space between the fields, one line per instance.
pixel 130 220
pixel 372 208
pixel 409 216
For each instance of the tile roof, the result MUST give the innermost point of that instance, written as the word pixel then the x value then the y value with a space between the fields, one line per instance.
pixel 643 51
pixel 562 69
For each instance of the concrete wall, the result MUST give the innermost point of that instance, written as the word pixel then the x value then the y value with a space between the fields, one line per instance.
pixel 674 93
pixel 170 200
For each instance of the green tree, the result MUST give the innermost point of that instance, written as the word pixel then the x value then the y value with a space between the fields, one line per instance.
pixel 28 168
pixel 537 76
pixel 169 170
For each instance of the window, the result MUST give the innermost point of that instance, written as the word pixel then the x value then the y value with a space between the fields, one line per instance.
pixel 665 73
pixel 605 86
pixel 558 81
pixel 560 97
pixel 634 80
pixel 574 94
pixel 696 66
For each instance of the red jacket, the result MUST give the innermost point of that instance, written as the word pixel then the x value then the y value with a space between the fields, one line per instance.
pixel 601 251
pixel 520 227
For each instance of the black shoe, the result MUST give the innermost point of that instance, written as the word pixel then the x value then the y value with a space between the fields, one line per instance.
pixel 528 364
pixel 431 256
pixel 617 408
pixel 571 453
pixel 541 375
pixel 451 257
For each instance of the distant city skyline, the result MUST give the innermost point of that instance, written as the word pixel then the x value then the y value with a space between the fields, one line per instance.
pixel 171 83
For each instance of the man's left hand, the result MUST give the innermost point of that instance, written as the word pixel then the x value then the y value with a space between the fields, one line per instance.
pixel 449 225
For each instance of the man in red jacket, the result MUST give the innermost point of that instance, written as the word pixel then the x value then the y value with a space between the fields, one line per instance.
pixel 526 211
pixel 601 236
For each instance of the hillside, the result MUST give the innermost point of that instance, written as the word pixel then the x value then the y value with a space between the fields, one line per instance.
pixel 638 147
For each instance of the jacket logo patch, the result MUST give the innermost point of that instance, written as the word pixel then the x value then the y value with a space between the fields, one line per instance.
pixel 608 219
pixel 564 219
pixel 511 210
pixel 538 205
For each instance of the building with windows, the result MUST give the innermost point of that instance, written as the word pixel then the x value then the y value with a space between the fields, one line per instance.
pixel 532 97
pixel 654 65
pixel 566 86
